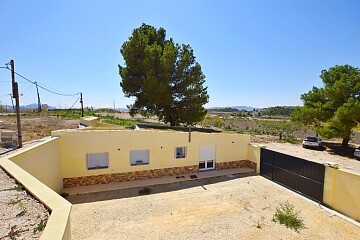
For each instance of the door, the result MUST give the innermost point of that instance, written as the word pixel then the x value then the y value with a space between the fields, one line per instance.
pixel 207 157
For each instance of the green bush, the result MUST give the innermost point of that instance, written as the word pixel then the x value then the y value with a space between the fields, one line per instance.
pixel 286 215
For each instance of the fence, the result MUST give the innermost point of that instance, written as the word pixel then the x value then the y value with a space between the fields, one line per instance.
pixel 298 174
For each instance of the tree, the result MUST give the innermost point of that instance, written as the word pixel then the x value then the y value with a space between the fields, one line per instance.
pixel 163 76
pixel 334 110
pixel 279 127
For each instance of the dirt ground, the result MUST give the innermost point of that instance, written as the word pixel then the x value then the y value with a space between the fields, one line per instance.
pixel 241 208
pixel 320 156
pixel 36 127
pixel 21 215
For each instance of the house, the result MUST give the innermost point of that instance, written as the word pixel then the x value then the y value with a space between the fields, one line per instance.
pixel 91 156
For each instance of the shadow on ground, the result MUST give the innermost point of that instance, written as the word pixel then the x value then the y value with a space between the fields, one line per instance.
pixel 337 149
pixel 160 188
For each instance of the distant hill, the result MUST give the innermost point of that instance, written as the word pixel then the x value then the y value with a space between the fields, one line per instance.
pixel 227 109
pixel 236 108
pixel 247 108
pixel 33 106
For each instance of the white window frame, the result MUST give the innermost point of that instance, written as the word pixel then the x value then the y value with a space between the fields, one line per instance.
pixel 139 157
pixel 97 160
pixel 207 155
pixel 183 150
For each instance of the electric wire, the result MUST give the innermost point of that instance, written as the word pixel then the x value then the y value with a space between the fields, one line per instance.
pixel 63 116
pixel 44 88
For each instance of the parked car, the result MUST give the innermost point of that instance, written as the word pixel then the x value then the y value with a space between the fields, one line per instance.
pixel 357 153
pixel 312 142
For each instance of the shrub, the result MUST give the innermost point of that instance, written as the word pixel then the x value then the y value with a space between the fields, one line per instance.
pixel 286 215
pixel 40 226
pixel 18 188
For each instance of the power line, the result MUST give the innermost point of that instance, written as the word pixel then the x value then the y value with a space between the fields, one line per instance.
pixel 46 89
pixel 43 86
pixel 70 108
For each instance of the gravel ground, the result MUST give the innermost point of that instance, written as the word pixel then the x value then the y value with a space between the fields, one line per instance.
pixel 240 208
pixel 20 213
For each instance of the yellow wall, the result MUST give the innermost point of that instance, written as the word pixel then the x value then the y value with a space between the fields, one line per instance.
pixel 75 144
pixel 254 155
pixel 342 192
pixel 89 121
pixel 42 162
pixel 58 225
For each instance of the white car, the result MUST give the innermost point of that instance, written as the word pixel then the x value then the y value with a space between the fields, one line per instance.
pixel 312 142
pixel 357 153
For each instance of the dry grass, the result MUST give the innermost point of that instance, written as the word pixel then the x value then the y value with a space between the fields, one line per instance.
pixel 37 127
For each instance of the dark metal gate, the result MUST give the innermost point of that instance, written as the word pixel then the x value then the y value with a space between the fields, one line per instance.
pixel 295 173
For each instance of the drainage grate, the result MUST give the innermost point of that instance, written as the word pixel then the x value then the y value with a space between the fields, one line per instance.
pixel 193 176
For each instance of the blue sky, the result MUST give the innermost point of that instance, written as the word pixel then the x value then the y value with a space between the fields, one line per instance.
pixel 254 53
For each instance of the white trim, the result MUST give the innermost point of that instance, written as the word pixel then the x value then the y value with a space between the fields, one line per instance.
pixel 207 155
pixel 180 154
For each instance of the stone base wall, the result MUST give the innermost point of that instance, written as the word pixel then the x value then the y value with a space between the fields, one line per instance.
pixel 236 164
pixel 128 176
pixel 146 174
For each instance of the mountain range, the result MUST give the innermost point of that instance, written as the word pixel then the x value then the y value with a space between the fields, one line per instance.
pixel 247 108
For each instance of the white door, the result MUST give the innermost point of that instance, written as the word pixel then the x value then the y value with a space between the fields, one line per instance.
pixel 207 157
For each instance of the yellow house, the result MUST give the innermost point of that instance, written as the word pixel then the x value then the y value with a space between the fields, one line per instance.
pixel 91 156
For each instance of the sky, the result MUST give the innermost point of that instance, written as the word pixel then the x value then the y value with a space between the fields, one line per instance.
pixel 258 53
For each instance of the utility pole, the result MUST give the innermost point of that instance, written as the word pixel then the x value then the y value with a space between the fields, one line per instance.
pixel 82 106
pixel 12 101
pixel 114 104
pixel 15 94
pixel 38 95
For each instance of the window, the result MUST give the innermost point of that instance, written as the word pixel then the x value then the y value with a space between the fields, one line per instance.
pixel 180 152
pixel 97 160
pixel 139 157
